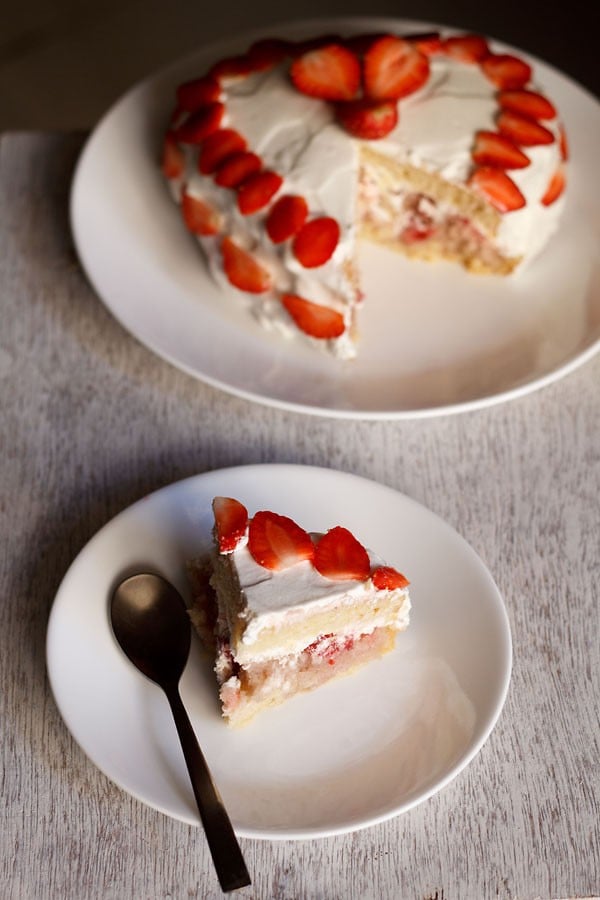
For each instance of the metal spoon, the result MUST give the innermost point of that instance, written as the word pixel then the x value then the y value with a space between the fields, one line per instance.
pixel 151 624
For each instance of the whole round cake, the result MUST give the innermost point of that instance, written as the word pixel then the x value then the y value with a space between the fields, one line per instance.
pixel 436 146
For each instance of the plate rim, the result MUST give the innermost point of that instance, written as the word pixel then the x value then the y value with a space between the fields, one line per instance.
pixel 473 747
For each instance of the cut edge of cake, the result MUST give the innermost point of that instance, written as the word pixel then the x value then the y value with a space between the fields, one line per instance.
pixel 491 208
pixel 424 216
pixel 285 611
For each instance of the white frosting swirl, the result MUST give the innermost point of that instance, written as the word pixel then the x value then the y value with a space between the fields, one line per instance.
pixel 297 136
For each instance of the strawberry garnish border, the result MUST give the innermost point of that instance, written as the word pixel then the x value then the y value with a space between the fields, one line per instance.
pixel 373 570
pixel 193 125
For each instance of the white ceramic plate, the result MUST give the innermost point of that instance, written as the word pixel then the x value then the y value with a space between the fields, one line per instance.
pixel 351 754
pixel 435 340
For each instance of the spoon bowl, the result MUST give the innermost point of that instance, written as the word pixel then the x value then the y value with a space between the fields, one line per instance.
pixel 152 627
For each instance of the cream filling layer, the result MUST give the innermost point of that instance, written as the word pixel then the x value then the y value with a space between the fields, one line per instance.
pixel 269 614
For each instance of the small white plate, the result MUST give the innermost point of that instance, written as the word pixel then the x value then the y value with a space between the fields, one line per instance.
pixel 434 339
pixel 351 754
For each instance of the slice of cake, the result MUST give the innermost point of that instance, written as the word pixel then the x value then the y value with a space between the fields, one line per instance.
pixel 286 611
pixel 435 146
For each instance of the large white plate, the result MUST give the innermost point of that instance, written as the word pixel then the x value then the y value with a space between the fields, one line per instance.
pixel 435 340
pixel 351 754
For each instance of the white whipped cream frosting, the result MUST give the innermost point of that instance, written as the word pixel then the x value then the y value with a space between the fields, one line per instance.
pixel 436 130
pixel 279 598
pixel 297 136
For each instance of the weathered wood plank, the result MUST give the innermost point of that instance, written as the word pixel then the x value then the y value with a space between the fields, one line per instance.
pixel 92 421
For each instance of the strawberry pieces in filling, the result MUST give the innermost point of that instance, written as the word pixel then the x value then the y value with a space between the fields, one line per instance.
pixel 329 646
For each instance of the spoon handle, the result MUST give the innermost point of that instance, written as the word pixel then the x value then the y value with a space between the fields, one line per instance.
pixel 225 850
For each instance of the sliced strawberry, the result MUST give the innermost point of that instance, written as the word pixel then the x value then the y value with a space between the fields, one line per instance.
pixel 467 48
pixel 523 131
pixel 506 71
pixel 563 143
pixel 236 168
pixel 231 68
pixel 243 270
pixel 199 92
pixel 555 187
pixel 428 42
pixel 497 188
pixel 316 241
pixel 415 233
pixel 199 216
pixel 286 217
pixel 394 68
pixel 277 542
pixel 368 119
pixel 231 519
pixel 330 73
pixel 201 123
pixel 328 646
pixel 340 557
pixel 385 578
pixel 217 147
pixel 492 149
pixel 256 191
pixel 527 103
pixel 173 160
pixel 268 52
pixel 318 321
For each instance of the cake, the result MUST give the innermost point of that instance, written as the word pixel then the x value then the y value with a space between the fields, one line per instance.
pixel 285 611
pixel 436 146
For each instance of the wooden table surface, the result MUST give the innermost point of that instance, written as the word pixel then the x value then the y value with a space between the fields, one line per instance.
pixel 92 421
